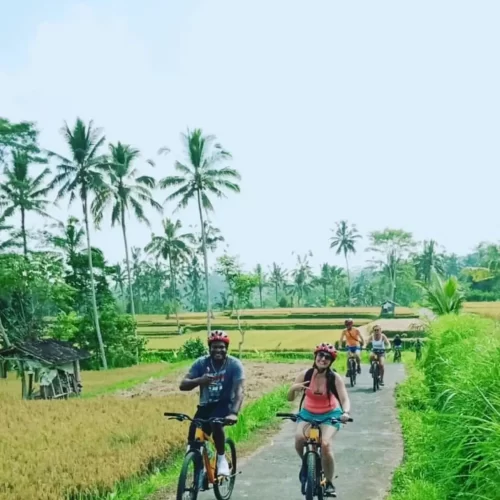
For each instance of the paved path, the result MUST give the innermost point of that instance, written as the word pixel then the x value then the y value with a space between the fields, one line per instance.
pixel 367 451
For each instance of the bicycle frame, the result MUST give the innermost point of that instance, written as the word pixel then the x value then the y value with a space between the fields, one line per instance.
pixel 200 440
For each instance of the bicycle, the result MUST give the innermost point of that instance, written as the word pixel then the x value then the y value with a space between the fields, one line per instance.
pixel 204 465
pixel 315 477
pixel 397 354
pixel 375 368
pixel 352 368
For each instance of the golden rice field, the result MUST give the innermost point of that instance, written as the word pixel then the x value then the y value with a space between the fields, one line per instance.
pixel 258 339
pixel 54 448
pixel 489 309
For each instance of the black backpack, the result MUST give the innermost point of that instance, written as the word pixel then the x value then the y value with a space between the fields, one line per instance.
pixel 332 388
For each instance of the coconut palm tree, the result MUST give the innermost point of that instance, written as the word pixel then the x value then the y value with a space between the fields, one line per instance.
pixel 261 280
pixel 277 278
pixel 174 248
pixel 22 192
pixel 125 190
pixel 429 260
pixel 200 178
pixel 82 175
pixel 443 297
pixel 344 240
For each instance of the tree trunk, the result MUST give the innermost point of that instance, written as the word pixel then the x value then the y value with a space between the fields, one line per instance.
pixel 127 260
pixel 173 292
pixel 348 280
pixel 324 289
pixel 276 291
pixel 92 284
pixel 260 293
pixel 205 262
pixel 4 335
pixel 23 232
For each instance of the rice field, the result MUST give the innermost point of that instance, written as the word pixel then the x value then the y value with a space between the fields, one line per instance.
pixel 258 339
pixel 52 449
pixel 488 309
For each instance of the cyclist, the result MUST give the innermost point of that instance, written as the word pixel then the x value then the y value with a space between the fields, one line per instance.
pixel 324 395
pixel 220 378
pixel 353 339
pixel 397 343
pixel 418 347
pixel 379 341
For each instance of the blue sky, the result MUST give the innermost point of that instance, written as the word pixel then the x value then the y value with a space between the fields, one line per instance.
pixel 383 113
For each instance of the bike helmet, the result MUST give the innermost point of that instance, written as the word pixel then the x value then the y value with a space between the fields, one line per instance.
pixel 329 348
pixel 349 322
pixel 218 335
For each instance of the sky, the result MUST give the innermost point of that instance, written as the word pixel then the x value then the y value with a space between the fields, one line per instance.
pixel 386 114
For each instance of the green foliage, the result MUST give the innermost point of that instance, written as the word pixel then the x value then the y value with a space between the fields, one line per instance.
pixel 283 302
pixel 450 411
pixel 443 298
pixel 20 136
pixel 193 348
pixel 118 332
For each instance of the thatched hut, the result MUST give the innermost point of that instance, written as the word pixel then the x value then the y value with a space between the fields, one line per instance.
pixel 54 364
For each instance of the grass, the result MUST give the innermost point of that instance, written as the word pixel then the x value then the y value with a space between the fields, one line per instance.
pixel 450 412
pixel 255 417
pixel 96 383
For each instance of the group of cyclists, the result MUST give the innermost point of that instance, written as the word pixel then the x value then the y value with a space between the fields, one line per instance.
pixel 221 377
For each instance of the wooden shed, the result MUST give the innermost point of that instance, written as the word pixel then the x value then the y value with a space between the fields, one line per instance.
pixel 53 364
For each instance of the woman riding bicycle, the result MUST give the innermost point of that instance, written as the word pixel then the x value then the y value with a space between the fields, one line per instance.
pixel 379 342
pixel 325 396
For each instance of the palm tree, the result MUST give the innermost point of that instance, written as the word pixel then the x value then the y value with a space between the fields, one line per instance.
pixel 277 278
pixel 125 190
pixel 22 192
pixel 82 175
pixel 429 260
pixel 302 276
pixel 324 279
pixel 261 280
pixel 344 240
pixel 200 178
pixel 174 248
pixel 443 298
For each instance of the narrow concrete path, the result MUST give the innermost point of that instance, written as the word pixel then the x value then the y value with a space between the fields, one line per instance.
pixel 366 451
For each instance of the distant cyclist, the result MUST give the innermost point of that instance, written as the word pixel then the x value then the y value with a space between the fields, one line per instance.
pixel 324 396
pixel 220 378
pixel 397 342
pixel 418 348
pixel 379 342
pixel 354 341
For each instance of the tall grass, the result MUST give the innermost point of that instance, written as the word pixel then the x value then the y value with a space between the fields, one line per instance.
pixel 450 411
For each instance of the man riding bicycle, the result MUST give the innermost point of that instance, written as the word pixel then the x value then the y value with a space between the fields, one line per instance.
pixel 354 340
pixel 220 378
pixel 397 343
pixel 379 342
pixel 324 396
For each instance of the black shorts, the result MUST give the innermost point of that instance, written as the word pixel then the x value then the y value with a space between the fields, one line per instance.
pixel 219 409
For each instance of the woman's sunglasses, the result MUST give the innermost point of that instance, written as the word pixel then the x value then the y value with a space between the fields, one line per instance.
pixel 324 355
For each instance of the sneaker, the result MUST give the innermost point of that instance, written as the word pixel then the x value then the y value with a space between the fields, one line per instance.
pixel 222 466
pixel 381 382
pixel 330 490
pixel 359 370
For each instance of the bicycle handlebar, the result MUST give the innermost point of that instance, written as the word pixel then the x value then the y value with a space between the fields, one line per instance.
pixel 295 416
pixel 181 417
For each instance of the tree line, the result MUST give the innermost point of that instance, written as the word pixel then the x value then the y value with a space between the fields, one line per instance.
pixel 57 271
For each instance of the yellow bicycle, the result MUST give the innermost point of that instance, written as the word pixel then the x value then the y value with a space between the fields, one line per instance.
pixel 203 466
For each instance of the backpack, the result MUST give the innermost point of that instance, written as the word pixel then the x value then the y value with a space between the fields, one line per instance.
pixel 332 388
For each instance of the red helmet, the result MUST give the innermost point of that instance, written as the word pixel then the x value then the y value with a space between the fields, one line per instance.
pixel 349 322
pixel 329 348
pixel 218 335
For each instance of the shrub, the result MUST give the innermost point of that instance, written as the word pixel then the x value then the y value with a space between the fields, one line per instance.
pixel 193 348
pixel 283 302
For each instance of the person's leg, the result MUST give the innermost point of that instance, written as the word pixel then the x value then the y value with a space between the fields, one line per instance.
pixel 358 359
pixel 219 437
pixel 327 459
pixel 372 357
pixel 299 446
pixel 381 359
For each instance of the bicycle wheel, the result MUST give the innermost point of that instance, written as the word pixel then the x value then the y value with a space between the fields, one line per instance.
pixel 375 376
pixel 312 478
pixel 224 489
pixel 352 372
pixel 188 489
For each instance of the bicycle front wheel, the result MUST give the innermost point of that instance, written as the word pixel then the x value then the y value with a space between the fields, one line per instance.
pixel 189 478
pixel 312 476
pixel 223 487
pixel 375 373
